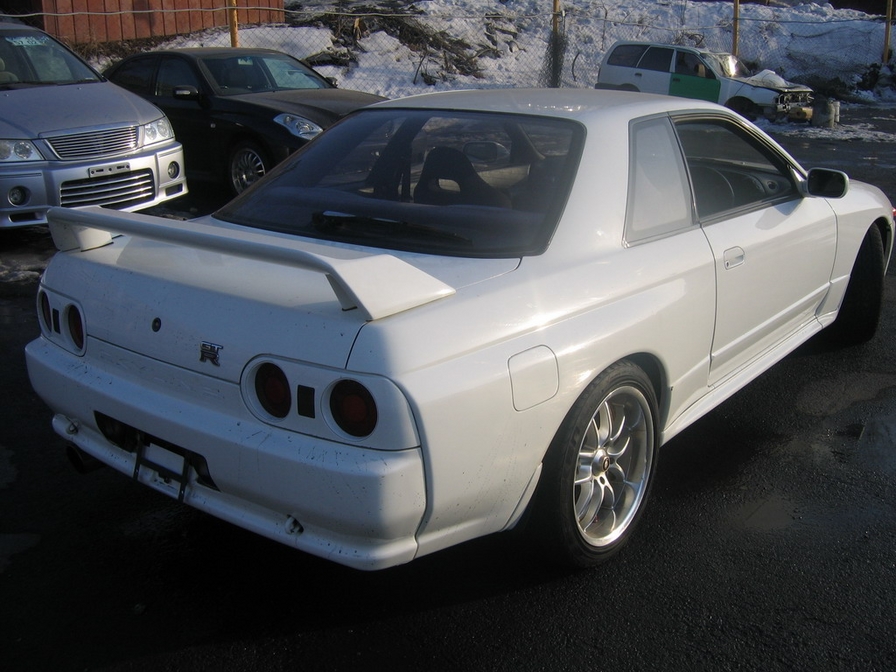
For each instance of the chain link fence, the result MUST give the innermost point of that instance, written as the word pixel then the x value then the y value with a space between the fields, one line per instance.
pixel 392 47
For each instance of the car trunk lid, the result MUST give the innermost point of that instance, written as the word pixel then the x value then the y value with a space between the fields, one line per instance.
pixel 181 292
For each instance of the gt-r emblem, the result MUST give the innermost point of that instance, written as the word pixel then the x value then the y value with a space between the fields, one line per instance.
pixel 209 352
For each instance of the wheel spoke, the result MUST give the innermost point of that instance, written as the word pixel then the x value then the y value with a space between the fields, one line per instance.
pixel 587 503
pixel 603 421
pixel 609 493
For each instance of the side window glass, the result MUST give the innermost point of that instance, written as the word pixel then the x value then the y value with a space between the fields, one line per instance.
pixel 730 168
pixel 657 58
pixel 174 72
pixel 691 64
pixel 627 55
pixel 136 75
pixel 658 198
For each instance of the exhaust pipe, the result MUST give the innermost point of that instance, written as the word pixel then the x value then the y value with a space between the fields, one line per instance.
pixel 81 461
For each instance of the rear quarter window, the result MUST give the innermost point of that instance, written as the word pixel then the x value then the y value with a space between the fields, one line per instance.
pixel 627 55
pixel 658 198
pixel 136 75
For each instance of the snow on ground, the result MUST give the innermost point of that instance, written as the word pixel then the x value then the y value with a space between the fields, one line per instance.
pixel 509 39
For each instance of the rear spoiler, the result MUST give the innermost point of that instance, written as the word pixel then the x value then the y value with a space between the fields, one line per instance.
pixel 378 285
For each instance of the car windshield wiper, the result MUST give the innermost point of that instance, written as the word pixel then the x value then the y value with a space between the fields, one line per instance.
pixel 21 84
pixel 84 80
pixel 332 221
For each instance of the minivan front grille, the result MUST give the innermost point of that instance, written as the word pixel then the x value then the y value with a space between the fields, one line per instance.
pixel 95 145
pixel 121 190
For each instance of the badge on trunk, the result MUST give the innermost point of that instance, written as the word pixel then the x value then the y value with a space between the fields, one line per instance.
pixel 209 352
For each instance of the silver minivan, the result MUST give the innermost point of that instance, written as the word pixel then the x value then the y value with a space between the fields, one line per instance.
pixel 70 137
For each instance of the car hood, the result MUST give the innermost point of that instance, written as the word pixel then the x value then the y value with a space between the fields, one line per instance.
pixel 33 112
pixel 322 106
pixel 164 299
pixel 771 80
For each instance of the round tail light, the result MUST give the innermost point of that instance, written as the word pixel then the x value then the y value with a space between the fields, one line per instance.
pixel 272 390
pixel 353 408
pixel 75 326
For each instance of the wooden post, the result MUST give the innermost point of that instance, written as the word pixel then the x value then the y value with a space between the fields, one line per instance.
pixel 234 25
pixel 885 57
pixel 735 27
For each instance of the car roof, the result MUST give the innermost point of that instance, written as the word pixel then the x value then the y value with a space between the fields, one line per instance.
pixel 576 104
pixel 680 47
pixel 11 22
pixel 205 52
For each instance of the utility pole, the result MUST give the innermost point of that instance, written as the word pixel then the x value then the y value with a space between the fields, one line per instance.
pixel 885 57
pixel 735 26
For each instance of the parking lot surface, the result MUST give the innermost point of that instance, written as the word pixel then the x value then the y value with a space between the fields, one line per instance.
pixel 768 543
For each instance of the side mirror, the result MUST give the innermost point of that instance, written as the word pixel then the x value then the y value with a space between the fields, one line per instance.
pixel 827 183
pixel 184 92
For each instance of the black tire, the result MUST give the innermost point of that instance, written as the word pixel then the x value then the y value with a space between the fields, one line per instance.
pixel 247 164
pixel 744 107
pixel 598 470
pixel 859 314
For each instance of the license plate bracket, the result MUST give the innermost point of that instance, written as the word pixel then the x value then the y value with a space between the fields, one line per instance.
pixel 169 465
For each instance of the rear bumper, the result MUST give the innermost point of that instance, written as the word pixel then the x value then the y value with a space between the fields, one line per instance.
pixel 355 506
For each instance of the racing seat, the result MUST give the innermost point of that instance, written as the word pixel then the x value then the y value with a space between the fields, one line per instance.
pixel 448 178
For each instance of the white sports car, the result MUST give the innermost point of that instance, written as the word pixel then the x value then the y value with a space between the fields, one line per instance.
pixel 451 315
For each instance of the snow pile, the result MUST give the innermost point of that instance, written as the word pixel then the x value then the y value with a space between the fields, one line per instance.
pixel 401 47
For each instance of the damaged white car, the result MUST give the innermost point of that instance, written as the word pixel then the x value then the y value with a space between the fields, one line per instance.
pixel 452 315
pixel 718 77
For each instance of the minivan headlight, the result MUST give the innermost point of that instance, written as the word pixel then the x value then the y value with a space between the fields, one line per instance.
pixel 12 151
pixel 157 131
pixel 298 126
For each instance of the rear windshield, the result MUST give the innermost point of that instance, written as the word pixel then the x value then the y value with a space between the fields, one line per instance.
pixel 29 58
pixel 429 181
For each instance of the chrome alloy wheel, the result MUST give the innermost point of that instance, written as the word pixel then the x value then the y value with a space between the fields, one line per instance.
pixel 614 466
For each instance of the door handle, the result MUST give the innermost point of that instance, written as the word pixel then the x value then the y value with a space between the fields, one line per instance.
pixel 733 257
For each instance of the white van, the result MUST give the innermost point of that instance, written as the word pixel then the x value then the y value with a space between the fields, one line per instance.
pixel 70 137
pixel 697 73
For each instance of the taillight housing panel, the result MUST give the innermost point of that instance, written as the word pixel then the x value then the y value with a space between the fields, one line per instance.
pixel 62 321
pixel 332 404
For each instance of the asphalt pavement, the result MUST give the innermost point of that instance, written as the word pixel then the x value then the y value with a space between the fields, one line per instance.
pixel 769 542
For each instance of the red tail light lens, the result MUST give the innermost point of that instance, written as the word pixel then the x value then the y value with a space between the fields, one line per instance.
pixel 272 390
pixel 45 311
pixel 353 408
pixel 75 326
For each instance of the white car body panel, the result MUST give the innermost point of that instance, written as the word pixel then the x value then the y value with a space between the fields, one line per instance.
pixel 767 284
pixel 474 362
